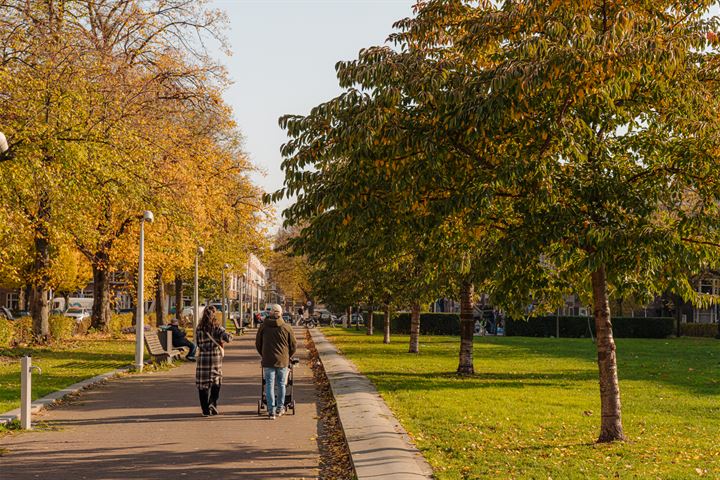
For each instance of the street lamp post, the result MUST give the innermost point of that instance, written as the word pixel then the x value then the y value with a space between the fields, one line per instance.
pixel 196 295
pixel 224 295
pixel 140 321
pixel 242 299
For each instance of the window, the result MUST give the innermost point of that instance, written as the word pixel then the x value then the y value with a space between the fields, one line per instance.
pixel 12 301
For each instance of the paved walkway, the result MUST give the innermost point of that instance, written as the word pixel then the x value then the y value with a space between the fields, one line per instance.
pixel 149 426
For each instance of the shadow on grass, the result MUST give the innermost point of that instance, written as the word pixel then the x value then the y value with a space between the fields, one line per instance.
pixel 692 365
pixel 398 381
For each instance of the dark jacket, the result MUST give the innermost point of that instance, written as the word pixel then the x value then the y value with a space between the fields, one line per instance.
pixel 275 342
pixel 178 336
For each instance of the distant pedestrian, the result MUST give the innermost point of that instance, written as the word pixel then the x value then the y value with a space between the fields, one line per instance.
pixel 275 342
pixel 210 337
pixel 179 339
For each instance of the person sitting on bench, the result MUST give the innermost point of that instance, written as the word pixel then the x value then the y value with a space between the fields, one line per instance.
pixel 180 340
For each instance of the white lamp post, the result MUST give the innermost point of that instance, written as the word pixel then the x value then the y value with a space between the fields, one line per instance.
pixel 224 295
pixel 140 323
pixel 196 295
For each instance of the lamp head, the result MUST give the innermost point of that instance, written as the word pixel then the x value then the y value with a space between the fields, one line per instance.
pixel 148 216
pixel 201 251
pixel 4 147
pixel 226 266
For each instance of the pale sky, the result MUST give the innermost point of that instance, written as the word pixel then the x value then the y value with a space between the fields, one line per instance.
pixel 284 55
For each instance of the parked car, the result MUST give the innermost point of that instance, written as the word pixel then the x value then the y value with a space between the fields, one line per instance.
pixel 79 314
pixel 354 318
pixel 189 312
pixel 325 317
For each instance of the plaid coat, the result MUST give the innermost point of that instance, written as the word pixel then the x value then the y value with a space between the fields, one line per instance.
pixel 209 362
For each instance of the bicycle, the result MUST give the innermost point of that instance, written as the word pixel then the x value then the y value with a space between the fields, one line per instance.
pixel 308 323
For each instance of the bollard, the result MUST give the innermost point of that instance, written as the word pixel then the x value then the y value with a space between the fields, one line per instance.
pixel 26 368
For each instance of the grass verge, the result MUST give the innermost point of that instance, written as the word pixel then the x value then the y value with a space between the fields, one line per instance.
pixel 532 408
pixel 62 365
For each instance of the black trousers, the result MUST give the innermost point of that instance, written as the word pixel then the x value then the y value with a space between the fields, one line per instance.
pixel 209 396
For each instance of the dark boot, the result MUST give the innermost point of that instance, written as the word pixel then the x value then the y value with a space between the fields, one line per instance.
pixel 204 400
pixel 214 395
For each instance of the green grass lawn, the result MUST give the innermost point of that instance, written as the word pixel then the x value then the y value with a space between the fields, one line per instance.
pixel 62 365
pixel 532 409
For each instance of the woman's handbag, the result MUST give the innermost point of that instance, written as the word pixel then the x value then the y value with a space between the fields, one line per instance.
pixel 222 350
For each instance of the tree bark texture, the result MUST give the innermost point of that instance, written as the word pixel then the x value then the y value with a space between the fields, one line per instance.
pixel 178 296
pixel 611 423
pixel 386 337
pixel 415 328
pixel 370 321
pixel 467 329
pixel 101 291
pixel 160 313
pixel 39 302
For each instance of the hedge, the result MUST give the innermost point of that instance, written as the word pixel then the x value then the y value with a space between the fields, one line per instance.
pixel 699 329
pixel 430 323
pixel 578 327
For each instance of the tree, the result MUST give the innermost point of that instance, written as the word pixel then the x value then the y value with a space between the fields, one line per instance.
pixel 571 140
pixel 595 122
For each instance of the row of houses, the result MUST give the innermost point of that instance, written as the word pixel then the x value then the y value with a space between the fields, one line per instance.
pixel 663 306
pixel 250 287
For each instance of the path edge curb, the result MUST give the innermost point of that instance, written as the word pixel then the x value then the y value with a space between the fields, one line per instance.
pixel 44 402
pixel 368 463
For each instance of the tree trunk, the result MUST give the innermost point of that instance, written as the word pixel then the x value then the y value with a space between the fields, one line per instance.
pixel 160 313
pixel 370 321
pixel 66 297
pixel 357 319
pixel 415 329
pixel 178 296
pixel 39 307
pixel 467 329
pixel 611 423
pixel 101 291
pixel 22 299
pixel 386 337
pixel 678 316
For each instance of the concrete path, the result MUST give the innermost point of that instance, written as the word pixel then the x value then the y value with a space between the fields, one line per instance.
pixel 379 446
pixel 149 426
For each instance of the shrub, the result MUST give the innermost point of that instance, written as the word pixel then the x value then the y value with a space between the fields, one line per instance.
pixel 578 327
pixel 699 329
pixel 118 321
pixel 61 327
pixel 23 331
pixel 430 323
pixel 7 332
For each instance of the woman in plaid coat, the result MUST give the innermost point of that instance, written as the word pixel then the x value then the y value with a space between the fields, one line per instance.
pixel 209 337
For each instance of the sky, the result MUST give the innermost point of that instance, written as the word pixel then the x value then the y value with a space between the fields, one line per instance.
pixel 284 56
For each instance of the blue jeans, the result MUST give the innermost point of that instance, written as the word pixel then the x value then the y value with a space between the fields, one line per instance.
pixel 275 376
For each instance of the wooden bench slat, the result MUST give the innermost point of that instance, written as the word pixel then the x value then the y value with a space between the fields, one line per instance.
pixel 155 348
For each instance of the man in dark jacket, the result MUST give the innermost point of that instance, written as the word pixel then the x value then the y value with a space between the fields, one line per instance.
pixel 276 343
pixel 180 340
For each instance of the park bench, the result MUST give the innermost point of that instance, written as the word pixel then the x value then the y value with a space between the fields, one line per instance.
pixel 239 329
pixel 155 347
